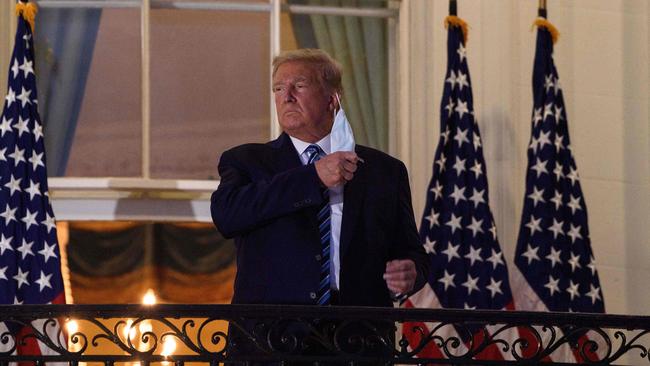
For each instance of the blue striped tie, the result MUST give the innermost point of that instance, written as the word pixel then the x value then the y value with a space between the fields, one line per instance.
pixel 314 153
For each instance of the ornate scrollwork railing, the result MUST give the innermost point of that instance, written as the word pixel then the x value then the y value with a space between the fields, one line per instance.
pixel 245 334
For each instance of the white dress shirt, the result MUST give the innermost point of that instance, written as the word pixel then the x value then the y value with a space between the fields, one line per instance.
pixel 336 205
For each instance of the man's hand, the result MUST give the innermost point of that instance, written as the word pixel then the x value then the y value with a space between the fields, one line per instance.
pixel 337 168
pixel 400 275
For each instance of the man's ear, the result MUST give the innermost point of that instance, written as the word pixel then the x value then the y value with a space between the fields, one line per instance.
pixel 331 103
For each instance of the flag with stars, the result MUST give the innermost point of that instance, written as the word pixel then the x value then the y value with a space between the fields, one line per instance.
pixel 555 269
pixel 30 266
pixel 457 230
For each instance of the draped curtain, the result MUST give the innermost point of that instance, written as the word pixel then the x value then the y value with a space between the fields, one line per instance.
pixel 116 262
pixel 65 41
pixel 360 45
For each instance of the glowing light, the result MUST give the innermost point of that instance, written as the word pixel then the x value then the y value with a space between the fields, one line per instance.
pixel 72 326
pixel 169 346
pixel 144 341
pixel 129 331
pixel 149 298
pixel 145 326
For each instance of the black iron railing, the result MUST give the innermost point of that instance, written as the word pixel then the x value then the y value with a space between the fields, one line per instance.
pixel 316 335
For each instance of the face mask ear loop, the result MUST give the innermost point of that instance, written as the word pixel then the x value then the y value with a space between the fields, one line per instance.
pixel 338 100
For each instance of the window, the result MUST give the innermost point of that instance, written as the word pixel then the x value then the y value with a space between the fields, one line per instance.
pixel 140 98
pixel 209 88
pixel 88 63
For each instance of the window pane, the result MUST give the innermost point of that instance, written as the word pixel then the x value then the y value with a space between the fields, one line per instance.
pixel 210 88
pixel 361 46
pixel 88 63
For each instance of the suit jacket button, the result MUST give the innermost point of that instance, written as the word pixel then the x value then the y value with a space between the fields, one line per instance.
pixel 318 257
pixel 312 295
pixel 308 200
pixel 297 204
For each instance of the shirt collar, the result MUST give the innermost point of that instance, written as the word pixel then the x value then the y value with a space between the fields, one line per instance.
pixel 301 146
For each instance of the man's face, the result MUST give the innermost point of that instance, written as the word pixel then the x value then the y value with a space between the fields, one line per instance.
pixel 304 107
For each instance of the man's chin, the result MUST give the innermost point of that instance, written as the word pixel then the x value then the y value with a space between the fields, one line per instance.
pixel 291 118
pixel 291 125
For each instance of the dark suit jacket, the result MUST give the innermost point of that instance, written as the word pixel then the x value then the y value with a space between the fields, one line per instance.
pixel 267 200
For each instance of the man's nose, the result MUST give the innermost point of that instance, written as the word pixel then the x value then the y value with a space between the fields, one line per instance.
pixel 289 95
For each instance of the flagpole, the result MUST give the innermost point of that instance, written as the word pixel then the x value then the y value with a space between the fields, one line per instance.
pixel 541 10
pixel 453 7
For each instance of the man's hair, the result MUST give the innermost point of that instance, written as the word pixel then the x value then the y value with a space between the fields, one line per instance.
pixel 327 68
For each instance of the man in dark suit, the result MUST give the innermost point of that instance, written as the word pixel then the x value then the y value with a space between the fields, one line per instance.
pixel 314 226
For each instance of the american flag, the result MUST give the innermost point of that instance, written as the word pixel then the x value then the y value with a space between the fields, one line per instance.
pixel 457 228
pixel 30 265
pixel 555 267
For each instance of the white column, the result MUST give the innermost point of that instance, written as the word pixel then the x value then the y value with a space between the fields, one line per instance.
pixel 493 66
pixel 417 131
pixel 145 11
pixel 275 34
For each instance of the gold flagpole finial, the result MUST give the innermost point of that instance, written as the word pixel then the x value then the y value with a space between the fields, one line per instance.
pixel 453 20
pixel 542 21
pixel 28 11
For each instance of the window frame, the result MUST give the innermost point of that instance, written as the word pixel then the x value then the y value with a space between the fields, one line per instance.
pixel 144 198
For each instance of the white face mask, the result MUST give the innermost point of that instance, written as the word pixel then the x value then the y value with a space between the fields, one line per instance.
pixel 342 138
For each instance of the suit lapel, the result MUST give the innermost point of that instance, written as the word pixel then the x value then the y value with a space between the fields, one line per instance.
pixel 285 156
pixel 353 197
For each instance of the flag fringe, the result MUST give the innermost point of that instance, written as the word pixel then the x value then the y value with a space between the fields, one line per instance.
pixel 28 12
pixel 543 23
pixel 455 21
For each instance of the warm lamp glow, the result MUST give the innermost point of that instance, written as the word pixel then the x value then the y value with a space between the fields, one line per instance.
pixel 169 346
pixel 129 330
pixel 149 298
pixel 72 326
pixel 145 327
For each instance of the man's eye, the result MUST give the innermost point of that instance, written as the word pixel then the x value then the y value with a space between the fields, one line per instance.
pixel 277 89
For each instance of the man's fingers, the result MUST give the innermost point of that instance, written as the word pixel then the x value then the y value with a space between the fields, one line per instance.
pixel 337 168
pixel 347 175
pixel 343 155
pixel 349 166
pixel 350 156
pixel 398 276
pixel 403 284
pixel 396 268
pixel 400 286
pixel 400 265
pixel 395 289
pixel 397 284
